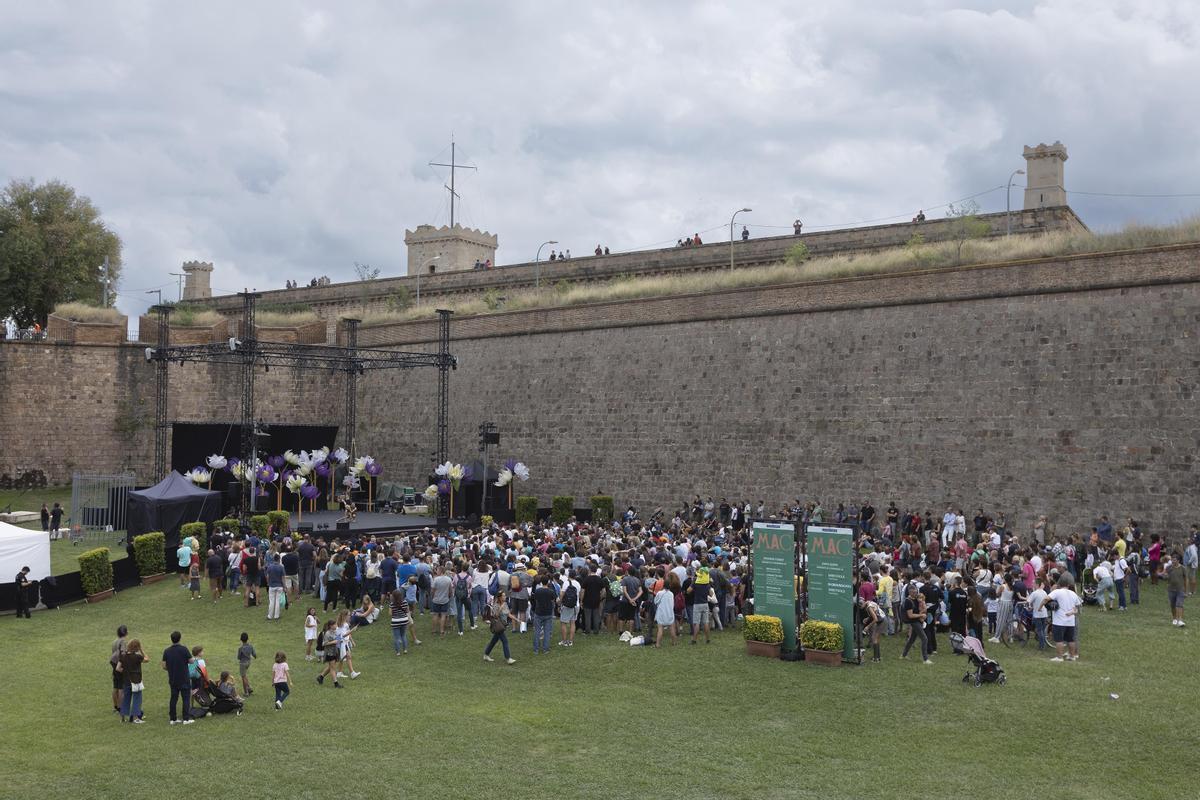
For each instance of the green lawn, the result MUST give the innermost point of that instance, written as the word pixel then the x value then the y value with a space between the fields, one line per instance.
pixel 63 553
pixel 601 719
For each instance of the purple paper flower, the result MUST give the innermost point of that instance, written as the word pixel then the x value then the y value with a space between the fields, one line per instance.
pixel 322 469
pixel 374 469
pixel 229 465
pixel 276 462
pixel 265 474
pixel 309 491
pixel 467 472
pixel 443 486
pixel 509 463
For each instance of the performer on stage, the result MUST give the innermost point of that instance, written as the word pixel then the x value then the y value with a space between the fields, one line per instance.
pixel 348 506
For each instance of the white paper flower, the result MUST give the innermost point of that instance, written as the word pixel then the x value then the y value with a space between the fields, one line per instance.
pixel 199 475
pixel 217 461
pixel 341 456
pixel 443 470
pixel 505 477
pixel 360 465
pixel 290 457
pixel 295 483
pixel 431 492
pixel 521 471
pixel 455 473
pixel 350 482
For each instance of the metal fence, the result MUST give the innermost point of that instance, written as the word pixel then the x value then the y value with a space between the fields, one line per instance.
pixel 98 502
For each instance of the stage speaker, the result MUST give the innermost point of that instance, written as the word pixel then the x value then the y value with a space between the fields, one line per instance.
pixel 343 526
pixel 305 528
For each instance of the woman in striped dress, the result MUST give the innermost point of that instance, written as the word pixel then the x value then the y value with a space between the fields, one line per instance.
pixel 1004 616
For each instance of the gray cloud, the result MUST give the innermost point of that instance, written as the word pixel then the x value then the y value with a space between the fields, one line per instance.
pixel 289 140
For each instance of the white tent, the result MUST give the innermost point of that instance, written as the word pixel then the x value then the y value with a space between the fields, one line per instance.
pixel 21 547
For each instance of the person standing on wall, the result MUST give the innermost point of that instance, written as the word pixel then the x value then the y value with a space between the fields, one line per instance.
pixel 23 586
pixel 175 661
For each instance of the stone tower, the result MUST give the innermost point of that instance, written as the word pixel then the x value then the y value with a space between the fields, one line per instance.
pixel 455 248
pixel 197 285
pixel 1044 178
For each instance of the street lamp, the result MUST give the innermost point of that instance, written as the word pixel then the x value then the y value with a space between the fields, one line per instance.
pixel 419 271
pixel 537 260
pixel 731 219
pixel 1008 202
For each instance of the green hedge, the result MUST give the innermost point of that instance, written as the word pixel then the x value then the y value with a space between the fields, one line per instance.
pixel 817 635
pixel 148 552
pixel 527 509
pixel 282 519
pixel 231 524
pixel 259 524
pixel 562 508
pixel 200 531
pixel 95 571
pixel 602 509
pixel 762 628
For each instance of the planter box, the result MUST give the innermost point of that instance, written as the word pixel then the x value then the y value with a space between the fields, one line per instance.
pixel 98 596
pixel 149 579
pixel 829 657
pixel 768 650
pixel 61 329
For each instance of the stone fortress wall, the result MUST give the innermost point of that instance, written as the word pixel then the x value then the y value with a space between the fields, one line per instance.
pixel 1064 386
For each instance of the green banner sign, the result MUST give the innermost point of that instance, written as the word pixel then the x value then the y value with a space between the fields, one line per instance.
pixel 774 550
pixel 830 580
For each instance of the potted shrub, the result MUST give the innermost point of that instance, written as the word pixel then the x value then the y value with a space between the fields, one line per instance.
pixel 259 524
pixel 198 531
pixel 602 509
pixel 231 524
pixel 822 642
pixel 763 634
pixel 562 508
pixel 281 519
pixel 527 509
pixel 96 574
pixel 149 553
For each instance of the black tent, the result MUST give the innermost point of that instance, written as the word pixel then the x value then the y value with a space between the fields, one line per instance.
pixel 168 504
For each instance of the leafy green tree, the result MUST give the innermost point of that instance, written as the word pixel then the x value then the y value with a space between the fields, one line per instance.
pixel 52 244
pixel 797 254
pixel 965 225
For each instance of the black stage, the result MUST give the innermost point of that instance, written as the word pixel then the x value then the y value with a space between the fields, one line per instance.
pixel 325 522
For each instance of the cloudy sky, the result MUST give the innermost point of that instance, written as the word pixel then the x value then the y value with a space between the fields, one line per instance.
pixel 292 139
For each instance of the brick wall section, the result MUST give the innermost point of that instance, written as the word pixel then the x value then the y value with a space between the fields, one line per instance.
pixel 357 299
pixel 1020 389
pixel 61 329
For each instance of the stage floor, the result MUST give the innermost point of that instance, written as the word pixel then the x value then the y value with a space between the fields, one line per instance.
pixel 367 522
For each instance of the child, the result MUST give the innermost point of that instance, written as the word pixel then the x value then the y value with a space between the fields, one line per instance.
pixel 281 676
pixel 993 609
pixel 194 577
pixel 197 668
pixel 328 643
pixel 401 619
pixel 346 639
pixel 245 654
pixel 310 633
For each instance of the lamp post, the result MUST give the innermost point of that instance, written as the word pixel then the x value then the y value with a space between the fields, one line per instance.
pixel 419 271
pixel 1008 202
pixel 731 219
pixel 537 260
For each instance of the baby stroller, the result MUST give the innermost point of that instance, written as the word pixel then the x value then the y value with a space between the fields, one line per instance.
pixel 986 670
pixel 225 703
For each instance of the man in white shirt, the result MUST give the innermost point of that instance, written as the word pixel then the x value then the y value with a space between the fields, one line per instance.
pixel 1105 591
pixel 1062 618
pixel 1040 615
pixel 1120 568
pixel 948 527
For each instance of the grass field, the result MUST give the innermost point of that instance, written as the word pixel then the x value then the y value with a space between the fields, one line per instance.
pixel 599 720
pixel 63 554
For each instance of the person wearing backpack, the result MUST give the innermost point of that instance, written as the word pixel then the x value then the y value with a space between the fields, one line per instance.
pixel 498 618
pixel 568 603
pixel 462 596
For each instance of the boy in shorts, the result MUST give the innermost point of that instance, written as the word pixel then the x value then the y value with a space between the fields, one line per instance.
pixel 245 655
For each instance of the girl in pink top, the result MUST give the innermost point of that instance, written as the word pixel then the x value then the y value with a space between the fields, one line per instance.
pixel 281 676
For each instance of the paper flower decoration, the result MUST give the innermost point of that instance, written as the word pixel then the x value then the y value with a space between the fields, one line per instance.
pixel 290 457
pixel 443 487
pixel 308 491
pixel 199 475
pixel 350 482
pixel 340 456
pixel 431 492
pixel 232 464
pixel 322 469
pixel 295 483
pixel 216 461
pixel 504 478
pixel 456 473
pixel 374 469
pixel 443 470
pixel 521 471
pixel 360 465
pixel 265 474
pixel 276 461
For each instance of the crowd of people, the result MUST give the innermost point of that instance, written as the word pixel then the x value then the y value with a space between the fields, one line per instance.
pixel 312 284
pixel 650 582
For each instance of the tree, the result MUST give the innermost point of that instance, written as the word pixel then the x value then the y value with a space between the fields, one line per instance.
pixel 965 225
pixel 52 244
pixel 366 276
pixel 797 254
